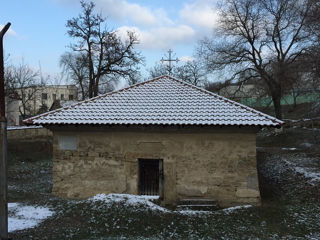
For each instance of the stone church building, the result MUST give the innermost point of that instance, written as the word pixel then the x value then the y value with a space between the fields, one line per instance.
pixel 160 137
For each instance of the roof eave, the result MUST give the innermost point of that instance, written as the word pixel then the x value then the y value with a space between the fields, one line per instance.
pixel 153 124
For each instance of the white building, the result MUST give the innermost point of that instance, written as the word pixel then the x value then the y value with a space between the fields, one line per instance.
pixel 39 99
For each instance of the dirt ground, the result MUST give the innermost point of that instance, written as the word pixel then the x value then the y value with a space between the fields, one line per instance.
pixel 289 175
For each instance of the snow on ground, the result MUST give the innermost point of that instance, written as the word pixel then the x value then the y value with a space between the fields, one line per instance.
pixel 310 173
pixel 232 209
pixel 129 200
pixel 193 212
pixel 298 164
pixel 289 149
pixel 306 145
pixel 145 202
pixel 22 217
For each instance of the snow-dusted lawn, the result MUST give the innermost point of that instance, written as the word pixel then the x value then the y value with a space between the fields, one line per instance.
pixel 23 217
pixel 310 173
pixel 128 200
pixel 144 203
pixel 233 209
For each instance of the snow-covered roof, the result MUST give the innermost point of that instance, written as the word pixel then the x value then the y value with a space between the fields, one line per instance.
pixel 160 101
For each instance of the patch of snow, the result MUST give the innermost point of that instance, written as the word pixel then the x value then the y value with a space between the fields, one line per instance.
pixel 12 205
pixel 289 149
pixel 144 203
pixel 22 217
pixel 232 209
pixel 12 187
pixel 129 200
pixel 193 212
pixel 149 197
pixel 308 173
pixel 307 145
pixel 31 212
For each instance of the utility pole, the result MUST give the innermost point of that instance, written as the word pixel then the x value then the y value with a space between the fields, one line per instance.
pixel 3 147
pixel 169 60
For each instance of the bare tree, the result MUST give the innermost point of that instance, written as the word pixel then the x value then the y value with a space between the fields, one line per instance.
pixel 191 71
pixel 105 53
pixel 134 78
pixel 158 70
pixel 260 40
pixel 76 66
pixel 22 82
pixel 313 56
pixel 215 87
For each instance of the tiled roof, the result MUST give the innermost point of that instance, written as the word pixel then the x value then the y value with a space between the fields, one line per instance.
pixel 160 101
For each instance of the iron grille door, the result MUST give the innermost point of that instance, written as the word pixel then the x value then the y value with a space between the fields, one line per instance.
pixel 149 177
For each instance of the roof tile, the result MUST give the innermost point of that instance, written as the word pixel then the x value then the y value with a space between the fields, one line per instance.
pixel 160 101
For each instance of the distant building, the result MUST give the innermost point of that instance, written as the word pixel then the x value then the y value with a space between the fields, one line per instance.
pixel 39 99
pixel 12 111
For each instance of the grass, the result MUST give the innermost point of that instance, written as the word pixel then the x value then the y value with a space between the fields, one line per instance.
pixel 290 210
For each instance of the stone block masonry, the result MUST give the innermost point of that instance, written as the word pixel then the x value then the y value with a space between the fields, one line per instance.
pixel 28 133
pixel 214 163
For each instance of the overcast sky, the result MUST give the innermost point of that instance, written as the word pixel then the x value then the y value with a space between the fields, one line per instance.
pixel 38 32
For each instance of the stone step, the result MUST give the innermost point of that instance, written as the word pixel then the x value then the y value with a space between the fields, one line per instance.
pixel 197 207
pixel 197 201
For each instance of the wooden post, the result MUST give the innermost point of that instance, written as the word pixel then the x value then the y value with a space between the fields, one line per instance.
pixel 3 147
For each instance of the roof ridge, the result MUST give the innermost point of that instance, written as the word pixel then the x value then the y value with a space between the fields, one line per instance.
pixel 228 100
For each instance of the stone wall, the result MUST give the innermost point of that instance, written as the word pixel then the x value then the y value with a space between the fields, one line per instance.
pixel 27 133
pixel 217 163
pixel 29 143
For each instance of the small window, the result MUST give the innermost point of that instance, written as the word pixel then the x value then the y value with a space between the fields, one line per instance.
pixel 68 142
pixel 44 96
pixel 70 97
pixel 54 97
pixel 62 96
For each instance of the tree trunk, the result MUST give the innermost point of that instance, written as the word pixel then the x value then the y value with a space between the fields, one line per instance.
pixel 82 89
pixel 91 69
pixel 295 95
pixel 96 86
pixel 276 98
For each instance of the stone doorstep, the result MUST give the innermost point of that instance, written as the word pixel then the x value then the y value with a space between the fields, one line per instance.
pixel 197 207
pixel 197 201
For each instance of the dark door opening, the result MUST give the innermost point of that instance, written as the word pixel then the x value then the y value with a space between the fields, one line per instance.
pixel 150 176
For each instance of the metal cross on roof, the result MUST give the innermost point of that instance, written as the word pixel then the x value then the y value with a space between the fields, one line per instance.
pixel 169 60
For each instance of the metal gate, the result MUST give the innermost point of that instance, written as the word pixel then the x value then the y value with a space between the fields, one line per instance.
pixel 149 176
